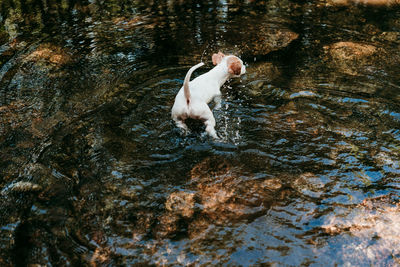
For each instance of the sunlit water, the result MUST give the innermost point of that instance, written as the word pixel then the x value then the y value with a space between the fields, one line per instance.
pixel 306 170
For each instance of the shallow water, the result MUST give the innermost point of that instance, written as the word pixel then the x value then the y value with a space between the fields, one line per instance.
pixel 94 172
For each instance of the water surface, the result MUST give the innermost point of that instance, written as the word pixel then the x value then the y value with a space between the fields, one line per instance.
pixel 94 172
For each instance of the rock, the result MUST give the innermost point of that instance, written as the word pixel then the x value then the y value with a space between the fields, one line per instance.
pixel 12 22
pixel 137 21
pixel 227 196
pixel 373 218
pixel 24 187
pixel 144 220
pixel 303 94
pixel 268 39
pixel 219 195
pixel 181 203
pixel 129 193
pixel 259 87
pixel 272 184
pixel 350 50
pixel 390 36
pixel 309 184
pixel 167 225
pixel 352 58
pixel 214 195
pixel 199 227
pixel 209 168
pixel 101 257
pixel 230 199
pixel 49 54
pixel 387 159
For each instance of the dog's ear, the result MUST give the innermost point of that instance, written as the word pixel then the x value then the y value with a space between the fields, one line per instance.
pixel 234 66
pixel 217 58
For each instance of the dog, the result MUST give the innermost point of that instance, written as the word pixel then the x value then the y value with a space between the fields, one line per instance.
pixel 193 98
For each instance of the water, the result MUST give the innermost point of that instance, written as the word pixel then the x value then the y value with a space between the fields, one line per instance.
pixel 94 172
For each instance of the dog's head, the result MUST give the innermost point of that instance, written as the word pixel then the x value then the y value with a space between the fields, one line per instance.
pixel 234 64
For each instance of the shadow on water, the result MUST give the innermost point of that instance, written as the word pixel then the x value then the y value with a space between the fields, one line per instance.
pixel 94 172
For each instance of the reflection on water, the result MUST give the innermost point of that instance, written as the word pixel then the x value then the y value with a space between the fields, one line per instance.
pixel 94 172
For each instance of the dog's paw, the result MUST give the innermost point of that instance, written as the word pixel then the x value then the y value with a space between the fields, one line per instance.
pixel 214 134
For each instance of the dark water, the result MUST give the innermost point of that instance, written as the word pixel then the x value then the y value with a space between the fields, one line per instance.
pixel 94 172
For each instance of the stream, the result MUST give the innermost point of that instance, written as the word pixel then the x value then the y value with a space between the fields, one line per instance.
pixel 94 172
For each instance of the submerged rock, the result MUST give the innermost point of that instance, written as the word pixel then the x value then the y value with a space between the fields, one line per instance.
pixel 390 36
pixel 374 219
pixel 168 225
pixel 386 159
pixel 220 195
pixel 272 184
pixel 309 184
pixel 49 53
pixel 209 168
pixel 101 257
pixel 350 50
pixel 181 203
pixel 21 187
pixel 352 58
pixel 260 87
pixel 267 40
pixel 137 21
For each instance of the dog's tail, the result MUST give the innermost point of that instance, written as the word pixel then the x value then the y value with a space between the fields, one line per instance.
pixel 187 79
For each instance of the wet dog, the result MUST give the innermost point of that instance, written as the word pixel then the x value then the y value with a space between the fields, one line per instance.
pixel 193 98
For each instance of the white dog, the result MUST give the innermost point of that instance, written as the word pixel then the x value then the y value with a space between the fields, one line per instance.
pixel 193 98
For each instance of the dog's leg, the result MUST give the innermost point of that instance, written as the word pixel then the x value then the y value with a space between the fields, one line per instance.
pixel 209 122
pixel 217 101
pixel 181 125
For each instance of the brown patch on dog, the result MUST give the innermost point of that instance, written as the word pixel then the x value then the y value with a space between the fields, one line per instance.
pixel 217 58
pixel 234 66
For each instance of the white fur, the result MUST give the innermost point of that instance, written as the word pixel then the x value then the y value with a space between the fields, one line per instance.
pixel 203 90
